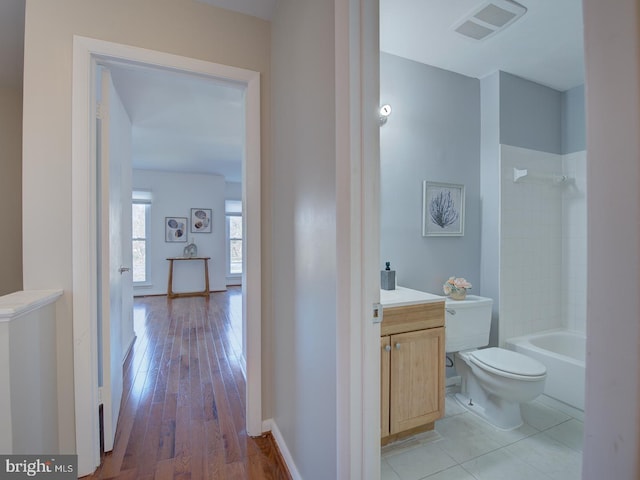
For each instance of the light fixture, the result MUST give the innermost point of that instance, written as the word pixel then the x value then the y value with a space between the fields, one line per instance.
pixel 385 111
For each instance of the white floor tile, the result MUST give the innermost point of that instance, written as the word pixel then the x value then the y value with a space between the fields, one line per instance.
pixel 453 473
pixel 505 438
pixel 465 447
pixel 420 462
pixel 569 433
pixel 464 438
pixel 386 472
pixel 549 456
pixel 541 416
pixel 501 465
pixel 452 407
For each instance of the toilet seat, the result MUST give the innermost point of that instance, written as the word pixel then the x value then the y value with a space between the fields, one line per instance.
pixel 509 364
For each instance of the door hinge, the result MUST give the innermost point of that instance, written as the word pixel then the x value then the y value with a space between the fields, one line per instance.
pixel 377 313
pixel 100 395
pixel 99 111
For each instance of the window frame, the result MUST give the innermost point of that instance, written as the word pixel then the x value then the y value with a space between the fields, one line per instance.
pixel 233 208
pixel 229 239
pixel 147 217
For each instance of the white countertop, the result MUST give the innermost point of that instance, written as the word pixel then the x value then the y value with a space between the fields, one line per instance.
pixel 405 296
pixel 18 303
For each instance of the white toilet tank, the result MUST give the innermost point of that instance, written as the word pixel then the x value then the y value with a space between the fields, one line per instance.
pixel 467 323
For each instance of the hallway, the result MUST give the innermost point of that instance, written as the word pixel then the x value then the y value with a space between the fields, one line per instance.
pixel 183 407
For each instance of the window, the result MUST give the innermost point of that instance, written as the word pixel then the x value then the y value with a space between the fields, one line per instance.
pixel 141 203
pixel 234 237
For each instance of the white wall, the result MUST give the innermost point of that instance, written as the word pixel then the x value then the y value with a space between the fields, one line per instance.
pixel 28 372
pixel 612 423
pixel 304 227
pixel 233 191
pixel 10 189
pixel 173 195
pixel 181 27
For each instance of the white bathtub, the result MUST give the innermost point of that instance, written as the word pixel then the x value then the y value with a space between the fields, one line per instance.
pixel 563 353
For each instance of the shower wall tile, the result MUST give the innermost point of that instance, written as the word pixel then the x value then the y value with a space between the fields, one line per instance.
pixel 574 242
pixel 531 249
pixel 543 243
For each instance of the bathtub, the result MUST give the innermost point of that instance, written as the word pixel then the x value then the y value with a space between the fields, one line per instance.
pixel 563 353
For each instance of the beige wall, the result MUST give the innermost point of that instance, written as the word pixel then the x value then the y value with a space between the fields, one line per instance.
pixel 181 27
pixel 304 221
pixel 612 422
pixel 10 189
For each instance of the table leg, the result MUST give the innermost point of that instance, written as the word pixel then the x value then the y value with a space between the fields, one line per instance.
pixel 170 285
pixel 206 276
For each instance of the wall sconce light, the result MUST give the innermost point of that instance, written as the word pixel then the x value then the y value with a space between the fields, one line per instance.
pixel 385 111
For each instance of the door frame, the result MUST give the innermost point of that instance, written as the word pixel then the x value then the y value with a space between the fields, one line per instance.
pixel 358 237
pixel 86 52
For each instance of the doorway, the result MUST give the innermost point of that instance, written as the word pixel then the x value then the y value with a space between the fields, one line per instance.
pixel 87 53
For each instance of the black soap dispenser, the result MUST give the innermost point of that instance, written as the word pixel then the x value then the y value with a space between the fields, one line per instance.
pixel 388 277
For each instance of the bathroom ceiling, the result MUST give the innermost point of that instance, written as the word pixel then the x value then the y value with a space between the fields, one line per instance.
pixel 545 45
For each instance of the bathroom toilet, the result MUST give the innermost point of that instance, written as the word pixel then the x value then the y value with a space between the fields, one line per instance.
pixel 494 381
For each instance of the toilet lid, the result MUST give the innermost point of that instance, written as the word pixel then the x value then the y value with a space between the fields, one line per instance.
pixel 509 362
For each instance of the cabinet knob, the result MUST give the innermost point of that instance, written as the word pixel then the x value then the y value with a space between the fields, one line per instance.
pixel 398 346
pixel 387 348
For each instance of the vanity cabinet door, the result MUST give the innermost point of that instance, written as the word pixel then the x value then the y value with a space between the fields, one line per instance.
pixel 416 378
pixel 385 367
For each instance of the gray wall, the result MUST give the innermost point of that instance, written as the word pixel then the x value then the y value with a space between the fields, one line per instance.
pixel 530 115
pixel 573 118
pixel 447 127
pixel 433 134
pixel 541 118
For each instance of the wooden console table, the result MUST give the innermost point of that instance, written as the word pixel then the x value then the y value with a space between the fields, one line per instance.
pixel 204 293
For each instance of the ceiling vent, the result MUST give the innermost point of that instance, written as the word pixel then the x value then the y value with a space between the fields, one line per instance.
pixel 489 19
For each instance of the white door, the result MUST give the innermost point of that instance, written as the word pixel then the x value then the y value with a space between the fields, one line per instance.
pixel 115 310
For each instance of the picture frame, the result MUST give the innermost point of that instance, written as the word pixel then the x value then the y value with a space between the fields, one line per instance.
pixel 175 229
pixel 201 220
pixel 442 209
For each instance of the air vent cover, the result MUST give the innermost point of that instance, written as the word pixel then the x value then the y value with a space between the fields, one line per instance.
pixel 489 19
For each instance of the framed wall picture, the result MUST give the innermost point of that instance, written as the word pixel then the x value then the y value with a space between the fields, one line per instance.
pixel 201 220
pixel 442 209
pixel 175 229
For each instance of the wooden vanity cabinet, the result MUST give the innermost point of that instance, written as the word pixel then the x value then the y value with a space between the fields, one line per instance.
pixel 412 369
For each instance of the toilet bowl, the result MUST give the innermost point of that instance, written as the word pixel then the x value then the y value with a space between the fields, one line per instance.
pixel 494 381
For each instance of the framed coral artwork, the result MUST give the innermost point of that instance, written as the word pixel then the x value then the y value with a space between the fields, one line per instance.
pixel 442 209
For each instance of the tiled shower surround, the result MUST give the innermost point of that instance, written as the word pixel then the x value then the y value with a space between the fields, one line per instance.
pixel 542 242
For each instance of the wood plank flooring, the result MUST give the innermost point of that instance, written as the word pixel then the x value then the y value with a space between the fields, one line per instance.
pixel 183 407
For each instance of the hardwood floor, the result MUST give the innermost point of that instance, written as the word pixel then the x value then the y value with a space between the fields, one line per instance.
pixel 183 407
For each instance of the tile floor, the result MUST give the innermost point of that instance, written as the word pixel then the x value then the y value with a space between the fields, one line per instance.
pixel 464 447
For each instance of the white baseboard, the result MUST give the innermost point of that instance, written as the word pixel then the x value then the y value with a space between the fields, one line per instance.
pixel 270 425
